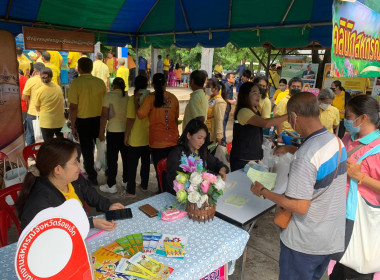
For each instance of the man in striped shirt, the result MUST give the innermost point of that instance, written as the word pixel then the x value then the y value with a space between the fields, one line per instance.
pixel 316 195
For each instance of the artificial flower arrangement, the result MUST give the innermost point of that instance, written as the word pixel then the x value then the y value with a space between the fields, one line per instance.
pixel 195 186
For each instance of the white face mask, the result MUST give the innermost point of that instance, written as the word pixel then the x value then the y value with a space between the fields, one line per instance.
pixel 208 91
pixel 324 106
pixel 283 88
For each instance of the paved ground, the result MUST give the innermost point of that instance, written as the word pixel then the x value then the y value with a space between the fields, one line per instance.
pixel 263 245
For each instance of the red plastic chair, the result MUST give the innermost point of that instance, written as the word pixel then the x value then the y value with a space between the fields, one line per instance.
pixel 161 167
pixel 8 211
pixel 3 156
pixel 30 151
pixel 229 147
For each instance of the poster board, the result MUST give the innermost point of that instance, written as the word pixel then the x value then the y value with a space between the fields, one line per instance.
pixel 376 89
pixel 355 50
pixel 306 71
pixel 353 86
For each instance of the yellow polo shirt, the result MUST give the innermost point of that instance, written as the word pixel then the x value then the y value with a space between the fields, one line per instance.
pixel 339 102
pixel 119 107
pixel 30 89
pixel 139 135
pixel 24 65
pixel 282 110
pixel 87 92
pixel 74 56
pixel 166 64
pixel 55 58
pixel 50 100
pixel 55 70
pixel 244 115
pixel 197 107
pixel 123 72
pixel 281 95
pixel 329 118
pixel 101 71
pixel 265 108
pixel 218 69
pixel 40 60
pixel 71 194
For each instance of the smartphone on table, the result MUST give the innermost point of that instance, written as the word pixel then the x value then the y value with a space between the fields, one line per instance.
pixel 120 214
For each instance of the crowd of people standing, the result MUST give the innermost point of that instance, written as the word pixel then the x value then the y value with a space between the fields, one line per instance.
pixel 146 124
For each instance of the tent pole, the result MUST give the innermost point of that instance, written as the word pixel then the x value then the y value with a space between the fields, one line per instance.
pixel 147 15
pixel 8 9
pixel 229 14
pixel 184 15
pixel 275 57
pixel 258 58
pixel 287 12
pixel 268 64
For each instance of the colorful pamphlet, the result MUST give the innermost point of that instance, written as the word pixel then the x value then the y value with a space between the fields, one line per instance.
pixel 124 242
pixel 150 242
pixel 127 268
pixel 170 238
pixel 150 266
pixel 105 263
pixel 117 249
pixel 174 249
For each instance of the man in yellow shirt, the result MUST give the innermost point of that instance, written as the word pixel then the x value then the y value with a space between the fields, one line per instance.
pixel 72 60
pixel 197 107
pixel 23 61
pixel 166 66
pixel 29 95
pixel 111 62
pixel 274 81
pixel 49 104
pixel 56 72
pixel 101 70
pixel 218 69
pixel 86 95
pixel 56 59
pixel 123 72
pixel 295 86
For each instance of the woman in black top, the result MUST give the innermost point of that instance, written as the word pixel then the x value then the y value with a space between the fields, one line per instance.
pixel 193 141
pixel 56 178
pixel 248 124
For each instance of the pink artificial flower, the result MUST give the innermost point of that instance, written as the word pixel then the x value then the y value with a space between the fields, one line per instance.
pixel 211 178
pixel 205 186
pixel 192 188
pixel 177 186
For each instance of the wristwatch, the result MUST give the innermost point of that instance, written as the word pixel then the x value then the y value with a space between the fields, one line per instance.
pixel 261 192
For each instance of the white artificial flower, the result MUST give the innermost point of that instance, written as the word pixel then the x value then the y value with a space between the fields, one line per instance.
pixel 220 184
pixel 193 197
pixel 196 178
pixel 202 200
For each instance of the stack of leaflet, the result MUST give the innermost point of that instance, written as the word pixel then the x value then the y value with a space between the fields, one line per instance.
pixel 140 242
pixel 172 246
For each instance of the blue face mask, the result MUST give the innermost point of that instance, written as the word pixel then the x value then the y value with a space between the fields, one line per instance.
pixel 349 125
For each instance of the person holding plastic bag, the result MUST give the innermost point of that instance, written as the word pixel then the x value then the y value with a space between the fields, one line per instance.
pixel 115 112
pixel 56 178
pixel 363 188
pixel 247 132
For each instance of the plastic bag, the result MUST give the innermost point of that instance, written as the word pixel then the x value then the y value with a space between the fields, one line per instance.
pixel 37 130
pixel 268 159
pixel 282 167
pixel 100 162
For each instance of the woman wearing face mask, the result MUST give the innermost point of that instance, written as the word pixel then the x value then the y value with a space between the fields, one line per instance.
pixel 363 122
pixel 281 92
pixel 329 115
pixel 265 106
pixel 193 141
pixel 248 124
pixel 54 179
pixel 216 91
pixel 340 101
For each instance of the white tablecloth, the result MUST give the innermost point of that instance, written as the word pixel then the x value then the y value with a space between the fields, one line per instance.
pixel 210 245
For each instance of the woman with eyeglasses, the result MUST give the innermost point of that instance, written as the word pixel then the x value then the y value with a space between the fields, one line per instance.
pixel 248 127
pixel 340 102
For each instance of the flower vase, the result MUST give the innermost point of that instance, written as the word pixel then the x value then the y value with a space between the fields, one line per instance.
pixel 203 214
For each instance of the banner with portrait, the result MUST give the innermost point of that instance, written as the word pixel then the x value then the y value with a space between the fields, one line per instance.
pixel 306 71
